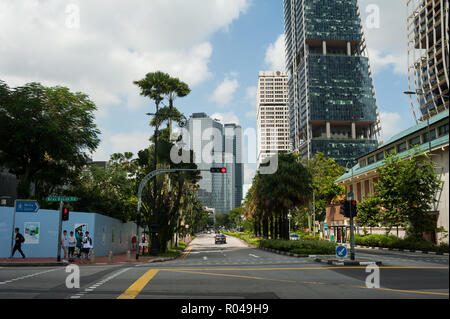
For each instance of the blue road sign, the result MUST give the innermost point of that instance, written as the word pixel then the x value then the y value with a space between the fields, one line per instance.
pixel 23 206
pixel 341 251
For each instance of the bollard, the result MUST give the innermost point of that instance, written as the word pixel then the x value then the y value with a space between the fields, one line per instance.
pixel 110 257
pixel 128 256
pixel 92 259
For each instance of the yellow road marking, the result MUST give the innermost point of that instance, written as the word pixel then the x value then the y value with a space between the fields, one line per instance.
pixel 227 275
pixel 186 253
pixel 300 268
pixel 138 285
pixel 408 291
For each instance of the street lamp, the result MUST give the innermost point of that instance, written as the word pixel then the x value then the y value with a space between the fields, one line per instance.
pixel 352 237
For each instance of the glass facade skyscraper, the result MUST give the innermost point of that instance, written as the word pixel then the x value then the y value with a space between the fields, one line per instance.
pixel 217 145
pixel 332 101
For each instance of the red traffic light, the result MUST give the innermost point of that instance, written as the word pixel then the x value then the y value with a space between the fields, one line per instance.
pixel 65 213
pixel 222 170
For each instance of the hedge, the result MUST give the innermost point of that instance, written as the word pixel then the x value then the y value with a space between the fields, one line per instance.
pixel 391 241
pixel 302 246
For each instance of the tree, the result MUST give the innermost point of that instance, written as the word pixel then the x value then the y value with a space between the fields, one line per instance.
pixel 407 189
pixel 369 212
pixel 44 135
pixel 325 171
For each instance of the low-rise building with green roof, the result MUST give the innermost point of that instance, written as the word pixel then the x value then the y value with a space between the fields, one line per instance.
pixel 414 140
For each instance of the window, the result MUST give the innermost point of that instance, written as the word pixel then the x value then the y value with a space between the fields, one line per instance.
pixel 371 160
pixel 432 133
pixel 363 163
pixel 380 156
pixel 390 151
pixel 401 147
pixel 443 130
pixel 414 141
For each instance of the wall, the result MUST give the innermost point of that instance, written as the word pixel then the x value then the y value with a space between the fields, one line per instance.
pixel 100 229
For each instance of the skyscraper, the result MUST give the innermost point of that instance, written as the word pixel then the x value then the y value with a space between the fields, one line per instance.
pixel 216 145
pixel 428 56
pixel 272 114
pixel 332 101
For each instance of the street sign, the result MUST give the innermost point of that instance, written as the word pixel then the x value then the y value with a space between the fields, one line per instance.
pixel 27 206
pixel 325 226
pixel 341 252
pixel 61 199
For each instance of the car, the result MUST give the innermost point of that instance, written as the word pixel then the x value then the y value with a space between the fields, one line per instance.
pixel 209 232
pixel 220 239
pixel 294 237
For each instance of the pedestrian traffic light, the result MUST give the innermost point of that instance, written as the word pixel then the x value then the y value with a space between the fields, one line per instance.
pixel 222 170
pixel 353 206
pixel 348 207
pixel 342 208
pixel 65 213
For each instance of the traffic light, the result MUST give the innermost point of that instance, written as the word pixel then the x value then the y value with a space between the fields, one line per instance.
pixel 65 213
pixel 348 207
pixel 221 170
pixel 342 208
pixel 353 207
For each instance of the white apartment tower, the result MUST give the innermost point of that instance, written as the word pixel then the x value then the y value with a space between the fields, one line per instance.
pixel 272 114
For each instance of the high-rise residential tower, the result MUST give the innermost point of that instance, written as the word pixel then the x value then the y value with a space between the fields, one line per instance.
pixel 272 114
pixel 217 145
pixel 332 101
pixel 428 56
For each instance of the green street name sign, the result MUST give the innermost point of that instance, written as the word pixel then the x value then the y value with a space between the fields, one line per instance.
pixel 61 198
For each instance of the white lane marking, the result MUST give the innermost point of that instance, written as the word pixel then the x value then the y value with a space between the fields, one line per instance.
pixel 86 290
pixel 28 276
pixel 205 258
pixel 253 255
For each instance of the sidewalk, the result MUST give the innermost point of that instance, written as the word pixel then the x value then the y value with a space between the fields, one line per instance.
pixel 99 260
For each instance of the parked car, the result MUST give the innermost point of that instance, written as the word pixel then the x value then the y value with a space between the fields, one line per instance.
pixel 294 237
pixel 220 239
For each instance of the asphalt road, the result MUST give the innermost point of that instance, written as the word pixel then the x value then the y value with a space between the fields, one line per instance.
pixel 235 271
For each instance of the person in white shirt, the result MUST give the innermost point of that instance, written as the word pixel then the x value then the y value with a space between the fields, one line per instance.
pixel 72 242
pixel 65 244
pixel 87 245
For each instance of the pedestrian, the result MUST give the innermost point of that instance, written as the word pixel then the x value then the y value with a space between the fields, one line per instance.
pixel 18 243
pixel 87 245
pixel 72 243
pixel 79 244
pixel 65 244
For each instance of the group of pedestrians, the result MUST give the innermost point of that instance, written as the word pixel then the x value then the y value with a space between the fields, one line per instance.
pixel 77 244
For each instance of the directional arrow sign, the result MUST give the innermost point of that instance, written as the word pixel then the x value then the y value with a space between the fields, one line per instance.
pixel 27 206
pixel 341 251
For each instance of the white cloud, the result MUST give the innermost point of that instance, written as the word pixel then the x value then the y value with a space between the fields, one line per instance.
pixel 116 43
pixel 275 55
pixel 391 124
pixel 223 94
pixel 387 43
pixel 226 118
pixel 250 98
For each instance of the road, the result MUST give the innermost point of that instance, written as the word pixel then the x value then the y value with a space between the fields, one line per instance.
pixel 235 271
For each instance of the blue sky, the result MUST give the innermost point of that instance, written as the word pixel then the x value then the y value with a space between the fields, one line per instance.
pixel 216 46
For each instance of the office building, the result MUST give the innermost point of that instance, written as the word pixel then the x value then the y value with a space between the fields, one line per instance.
pixel 272 114
pixel 332 101
pixel 428 56
pixel 217 145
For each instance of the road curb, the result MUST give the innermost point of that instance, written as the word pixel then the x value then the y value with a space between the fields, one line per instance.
pixel 286 253
pixel 33 264
pixel 347 262
pixel 404 250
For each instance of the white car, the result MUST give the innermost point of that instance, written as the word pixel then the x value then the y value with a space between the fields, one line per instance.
pixel 294 237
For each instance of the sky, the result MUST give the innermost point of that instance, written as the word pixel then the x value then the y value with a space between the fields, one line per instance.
pixel 216 46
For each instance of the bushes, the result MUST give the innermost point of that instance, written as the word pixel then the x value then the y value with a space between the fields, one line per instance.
pixel 302 246
pixel 399 243
pixel 247 237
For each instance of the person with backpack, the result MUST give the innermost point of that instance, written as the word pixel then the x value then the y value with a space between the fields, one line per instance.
pixel 79 244
pixel 18 244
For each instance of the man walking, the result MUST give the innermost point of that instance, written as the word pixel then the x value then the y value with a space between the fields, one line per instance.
pixel 87 245
pixel 18 243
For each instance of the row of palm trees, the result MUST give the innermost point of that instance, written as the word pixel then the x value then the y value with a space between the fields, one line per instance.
pixel 272 196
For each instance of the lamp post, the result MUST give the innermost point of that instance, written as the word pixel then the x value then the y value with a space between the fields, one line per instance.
pixel 352 231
